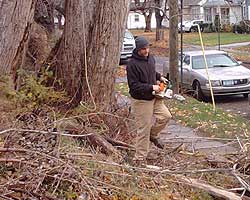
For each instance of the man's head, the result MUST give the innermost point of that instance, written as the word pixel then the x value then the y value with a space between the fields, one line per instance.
pixel 142 46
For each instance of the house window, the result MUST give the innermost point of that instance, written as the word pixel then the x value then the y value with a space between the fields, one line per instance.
pixel 208 15
pixel 225 15
pixel 137 18
pixel 195 12
pixel 244 12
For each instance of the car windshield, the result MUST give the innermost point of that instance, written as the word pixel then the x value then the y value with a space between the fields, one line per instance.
pixel 128 35
pixel 213 60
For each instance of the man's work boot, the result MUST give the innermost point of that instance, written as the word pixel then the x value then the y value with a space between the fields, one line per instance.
pixel 157 142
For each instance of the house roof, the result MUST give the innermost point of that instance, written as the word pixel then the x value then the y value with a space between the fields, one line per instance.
pixel 191 2
pixel 212 3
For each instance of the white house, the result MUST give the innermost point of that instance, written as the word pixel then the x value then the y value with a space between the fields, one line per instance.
pixel 192 9
pixel 137 21
pixel 229 13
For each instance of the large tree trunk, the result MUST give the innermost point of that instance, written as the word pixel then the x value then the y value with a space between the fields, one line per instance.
pixel 15 24
pixel 88 54
pixel 148 17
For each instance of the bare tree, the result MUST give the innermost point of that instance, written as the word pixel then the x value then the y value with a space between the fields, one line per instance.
pixel 44 14
pixel 160 13
pixel 173 43
pixel 145 8
pixel 88 54
pixel 15 24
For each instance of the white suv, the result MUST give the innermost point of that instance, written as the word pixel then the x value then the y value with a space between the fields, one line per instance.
pixel 128 46
pixel 190 26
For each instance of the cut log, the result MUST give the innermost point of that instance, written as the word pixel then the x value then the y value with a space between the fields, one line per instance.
pixel 94 139
pixel 99 142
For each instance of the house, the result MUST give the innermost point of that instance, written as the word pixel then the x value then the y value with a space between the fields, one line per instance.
pixel 229 12
pixel 192 9
pixel 136 19
pixel 246 9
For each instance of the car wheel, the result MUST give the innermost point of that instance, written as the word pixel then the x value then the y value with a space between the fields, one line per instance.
pixel 193 29
pixel 245 95
pixel 197 94
pixel 123 62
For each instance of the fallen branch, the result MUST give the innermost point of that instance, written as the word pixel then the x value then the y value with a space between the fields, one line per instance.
pixel 119 143
pixel 99 142
pixel 215 191
pixel 20 161
pixel 44 132
pixel 4 150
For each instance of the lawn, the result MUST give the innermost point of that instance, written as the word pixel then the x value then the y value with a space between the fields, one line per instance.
pixel 213 124
pixel 160 48
pixel 211 39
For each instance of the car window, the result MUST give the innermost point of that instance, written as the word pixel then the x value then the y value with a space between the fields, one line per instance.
pixel 213 60
pixel 128 35
pixel 187 60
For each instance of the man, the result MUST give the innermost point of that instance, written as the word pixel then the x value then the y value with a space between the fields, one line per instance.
pixel 142 81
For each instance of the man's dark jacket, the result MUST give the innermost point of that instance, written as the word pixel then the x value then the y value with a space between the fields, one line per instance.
pixel 142 76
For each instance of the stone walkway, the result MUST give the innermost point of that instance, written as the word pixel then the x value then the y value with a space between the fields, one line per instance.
pixel 177 134
pixel 193 141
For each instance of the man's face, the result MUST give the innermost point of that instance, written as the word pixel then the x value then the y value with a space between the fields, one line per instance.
pixel 144 51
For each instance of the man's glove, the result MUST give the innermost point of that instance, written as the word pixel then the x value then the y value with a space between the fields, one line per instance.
pixel 164 80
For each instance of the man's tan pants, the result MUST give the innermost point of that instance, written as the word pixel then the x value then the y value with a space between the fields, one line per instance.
pixel 144 111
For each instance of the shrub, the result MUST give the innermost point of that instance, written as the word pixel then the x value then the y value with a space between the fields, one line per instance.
pixel 33 93
pixel 208 28
pixel 227 28
pixel 242 27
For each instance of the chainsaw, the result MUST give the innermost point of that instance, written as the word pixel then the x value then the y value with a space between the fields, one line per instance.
pixel 167 92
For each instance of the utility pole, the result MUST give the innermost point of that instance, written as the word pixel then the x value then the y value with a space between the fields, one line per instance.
pixel 181 46
pixel 173 44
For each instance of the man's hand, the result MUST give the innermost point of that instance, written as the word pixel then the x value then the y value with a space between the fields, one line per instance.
pixel 163 79
pixel 156 88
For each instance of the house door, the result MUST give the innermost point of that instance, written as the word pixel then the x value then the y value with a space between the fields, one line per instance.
pixel 224 15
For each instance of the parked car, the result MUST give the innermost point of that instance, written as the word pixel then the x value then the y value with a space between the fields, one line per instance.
pixel 228 77
pixel 128 46
pixel 190 26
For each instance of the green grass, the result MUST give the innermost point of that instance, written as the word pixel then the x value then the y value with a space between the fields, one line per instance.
pixel 211 39
pixel 195 114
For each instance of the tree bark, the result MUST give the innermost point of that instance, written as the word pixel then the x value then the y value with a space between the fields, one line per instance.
pixel 173 44
pixel 15 24
pixel 88 54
